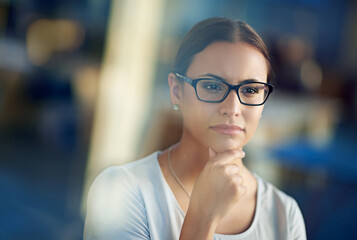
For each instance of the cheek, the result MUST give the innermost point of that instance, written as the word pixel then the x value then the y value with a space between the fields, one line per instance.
pixel 195 113
pixel 252 119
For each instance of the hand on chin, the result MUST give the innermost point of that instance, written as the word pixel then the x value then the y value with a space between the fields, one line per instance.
pixel 222 146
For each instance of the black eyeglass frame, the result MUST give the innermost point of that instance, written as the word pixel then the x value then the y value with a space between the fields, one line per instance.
pixel 193 83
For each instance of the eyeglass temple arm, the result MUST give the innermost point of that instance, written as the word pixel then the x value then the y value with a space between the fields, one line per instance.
pixel 186 79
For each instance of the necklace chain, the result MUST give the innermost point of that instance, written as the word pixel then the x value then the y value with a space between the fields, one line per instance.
pixel 175 176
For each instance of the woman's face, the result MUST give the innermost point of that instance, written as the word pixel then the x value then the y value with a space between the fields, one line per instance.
pixel 229 124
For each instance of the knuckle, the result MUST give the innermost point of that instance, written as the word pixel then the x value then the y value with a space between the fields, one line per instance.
pixel 236 153
pixel 242 189
pixel 237 180
pixel 226 170
pixel 232 153
pixel 237 191
pixel 240 154
pixel 240 179
pixel 238 188
pixel 234 182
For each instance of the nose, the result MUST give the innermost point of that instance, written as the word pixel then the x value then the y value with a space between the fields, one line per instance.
pixel 231 106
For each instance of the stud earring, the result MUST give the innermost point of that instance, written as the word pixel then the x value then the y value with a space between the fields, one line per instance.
pixel 175 107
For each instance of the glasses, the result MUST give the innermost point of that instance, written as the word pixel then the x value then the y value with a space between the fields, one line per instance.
pixel 212 90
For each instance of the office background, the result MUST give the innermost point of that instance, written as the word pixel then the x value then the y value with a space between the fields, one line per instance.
pixel 83 86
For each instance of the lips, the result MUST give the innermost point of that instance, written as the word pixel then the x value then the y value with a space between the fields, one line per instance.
pixel 227 129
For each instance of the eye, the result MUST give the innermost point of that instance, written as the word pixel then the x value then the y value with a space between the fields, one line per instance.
pixel 253 90
pixel 250 90
pixel 212 86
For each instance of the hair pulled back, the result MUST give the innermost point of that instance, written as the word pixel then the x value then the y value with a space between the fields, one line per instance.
pixel 213 30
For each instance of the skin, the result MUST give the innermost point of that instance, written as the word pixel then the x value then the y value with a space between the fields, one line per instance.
pixel 209 164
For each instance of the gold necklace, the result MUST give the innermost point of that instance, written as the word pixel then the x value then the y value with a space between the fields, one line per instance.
pixel 174 174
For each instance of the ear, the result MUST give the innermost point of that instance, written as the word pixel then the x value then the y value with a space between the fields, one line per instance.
pixel 175 89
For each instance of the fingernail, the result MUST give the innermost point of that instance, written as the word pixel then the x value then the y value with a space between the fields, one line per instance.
pixel 209 151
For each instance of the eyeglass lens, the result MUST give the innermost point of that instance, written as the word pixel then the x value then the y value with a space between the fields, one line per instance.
pixel 249 93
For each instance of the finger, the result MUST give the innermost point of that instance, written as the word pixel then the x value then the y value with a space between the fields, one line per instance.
pixel 232 169
pixel 239 179
pixel 227 156
pixel 211 153
pixel 242 190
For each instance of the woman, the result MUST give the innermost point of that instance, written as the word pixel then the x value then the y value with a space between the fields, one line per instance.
pixel 200 187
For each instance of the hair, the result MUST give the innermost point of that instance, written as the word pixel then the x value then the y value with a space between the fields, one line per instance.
pixel 217 29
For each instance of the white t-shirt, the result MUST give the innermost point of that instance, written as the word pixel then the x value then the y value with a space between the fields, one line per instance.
pixel 134 201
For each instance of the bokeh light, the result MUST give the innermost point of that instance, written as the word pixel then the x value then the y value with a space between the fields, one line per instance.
pixel 83 86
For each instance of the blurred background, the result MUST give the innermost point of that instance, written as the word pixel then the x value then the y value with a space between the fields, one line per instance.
pixel 83 86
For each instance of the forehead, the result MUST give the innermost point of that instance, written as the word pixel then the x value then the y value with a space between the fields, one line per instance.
pixel 233 61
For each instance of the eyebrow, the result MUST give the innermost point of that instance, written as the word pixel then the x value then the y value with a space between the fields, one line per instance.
pixel 225 80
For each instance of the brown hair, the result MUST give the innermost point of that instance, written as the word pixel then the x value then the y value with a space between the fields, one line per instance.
pixel 213 30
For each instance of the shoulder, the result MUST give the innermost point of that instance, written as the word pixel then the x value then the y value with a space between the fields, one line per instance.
pixel 115 205
pixel 124 181
pixel 283 208
pixel 129 174
pixel 271 194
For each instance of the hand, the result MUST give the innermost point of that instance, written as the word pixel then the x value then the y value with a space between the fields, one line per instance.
pixel 219 185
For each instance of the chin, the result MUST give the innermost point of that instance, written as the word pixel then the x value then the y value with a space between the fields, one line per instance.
pixel 223 146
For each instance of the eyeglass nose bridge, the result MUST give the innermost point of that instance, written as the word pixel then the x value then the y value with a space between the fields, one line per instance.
pixel 236 90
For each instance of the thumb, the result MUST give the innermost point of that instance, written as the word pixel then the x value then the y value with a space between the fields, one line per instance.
pixel 211 153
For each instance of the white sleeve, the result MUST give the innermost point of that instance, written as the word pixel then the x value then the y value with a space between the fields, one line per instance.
pixel 115 209
pixel 297 224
